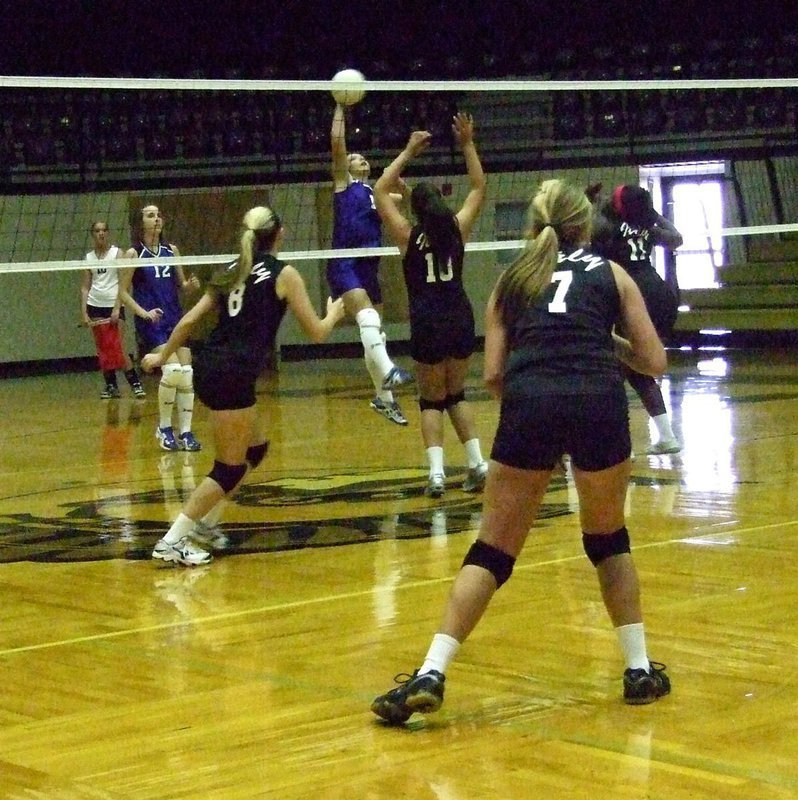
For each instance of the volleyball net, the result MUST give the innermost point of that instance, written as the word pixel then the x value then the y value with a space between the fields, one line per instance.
pixel 719 156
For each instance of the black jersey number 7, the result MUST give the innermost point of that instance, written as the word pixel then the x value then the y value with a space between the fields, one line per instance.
pixel 563 280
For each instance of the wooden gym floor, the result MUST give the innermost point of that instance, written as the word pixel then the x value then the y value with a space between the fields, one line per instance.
pixel 252 677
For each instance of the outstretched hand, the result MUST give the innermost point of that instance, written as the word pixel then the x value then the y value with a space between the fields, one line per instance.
pixel 151 361
pixel 335 309
pixel 463 128
pixel 418 142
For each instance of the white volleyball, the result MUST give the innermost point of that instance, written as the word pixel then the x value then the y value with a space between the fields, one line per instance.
pixel 352 92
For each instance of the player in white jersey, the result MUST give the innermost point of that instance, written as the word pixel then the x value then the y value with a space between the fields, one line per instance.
pixel 100 310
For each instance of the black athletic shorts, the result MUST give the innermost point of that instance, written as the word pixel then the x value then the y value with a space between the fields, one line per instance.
pixel 534 432
pixel 223 386
pixel 433 339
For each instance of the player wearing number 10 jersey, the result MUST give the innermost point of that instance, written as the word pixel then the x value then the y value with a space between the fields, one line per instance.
pixel 251 297
pixel 441 319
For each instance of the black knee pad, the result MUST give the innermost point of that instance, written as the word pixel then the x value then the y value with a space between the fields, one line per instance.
pixel 453 399
pixel 227 475
pixel 495 561
pixel 434 405
pixel 257 453
pixel 601 546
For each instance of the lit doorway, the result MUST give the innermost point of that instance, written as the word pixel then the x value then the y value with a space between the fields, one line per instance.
pixel 697 207
pixel 691 196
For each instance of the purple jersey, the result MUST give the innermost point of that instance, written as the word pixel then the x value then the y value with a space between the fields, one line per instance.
pixel 355 219
pixel 155 286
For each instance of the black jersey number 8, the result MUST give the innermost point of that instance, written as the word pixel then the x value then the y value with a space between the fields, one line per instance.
pixel 235 300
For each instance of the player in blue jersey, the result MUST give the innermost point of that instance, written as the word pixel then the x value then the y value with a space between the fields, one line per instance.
pixel 250 298
pixel 151 292
pixel 551 358
pixel 357 224
pixel 441 318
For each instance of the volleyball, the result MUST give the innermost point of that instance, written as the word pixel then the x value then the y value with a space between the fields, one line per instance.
pixel 351 94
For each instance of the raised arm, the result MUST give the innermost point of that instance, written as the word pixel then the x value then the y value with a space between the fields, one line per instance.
pixel 340 158
pixel 642 349
pixel 291 287
pixel 463 130
pixel 385 189
pixel 665 233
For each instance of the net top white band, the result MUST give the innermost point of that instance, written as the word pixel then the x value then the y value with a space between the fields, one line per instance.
pixel 323 255
pixel 219 85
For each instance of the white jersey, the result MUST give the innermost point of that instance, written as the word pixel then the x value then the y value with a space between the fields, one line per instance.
pixel 104 280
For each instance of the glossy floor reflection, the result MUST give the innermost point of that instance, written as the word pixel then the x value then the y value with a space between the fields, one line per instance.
pixel 252 676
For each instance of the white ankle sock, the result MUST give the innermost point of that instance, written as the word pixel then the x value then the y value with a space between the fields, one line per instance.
pixel 440 654
pixel 632 639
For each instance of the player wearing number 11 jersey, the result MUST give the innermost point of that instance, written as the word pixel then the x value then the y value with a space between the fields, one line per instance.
pixel 251 297
pixel 626 230
pixel 441 319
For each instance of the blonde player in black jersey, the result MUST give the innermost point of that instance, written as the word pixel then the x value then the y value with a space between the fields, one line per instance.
pixel 441 319
pixel 251 297
pixel 550 356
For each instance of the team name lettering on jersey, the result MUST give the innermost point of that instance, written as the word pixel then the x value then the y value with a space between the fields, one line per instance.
pixel 640 233
pixel 579 256
pixel 262 272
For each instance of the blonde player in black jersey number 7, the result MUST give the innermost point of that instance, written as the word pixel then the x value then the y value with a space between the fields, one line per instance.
pixel 550 356
pixel 251 297
pixel 441 319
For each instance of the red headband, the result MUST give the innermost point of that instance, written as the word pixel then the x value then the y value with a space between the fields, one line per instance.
pixel 617 200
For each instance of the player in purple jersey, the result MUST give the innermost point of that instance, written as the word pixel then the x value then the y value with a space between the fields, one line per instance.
pixel 550 357
pixel 357 224
pixel 151 292
pixel 441 318
pixel 250 298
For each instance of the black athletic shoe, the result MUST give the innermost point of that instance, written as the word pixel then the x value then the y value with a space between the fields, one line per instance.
pixel 423 693
pixel 641 687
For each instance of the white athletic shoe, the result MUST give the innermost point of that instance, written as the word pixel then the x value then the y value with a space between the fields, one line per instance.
pixel 390 411
pixel 210 536
pixel 475 479
pixel 436 485
pixel 665 447
pixel 181 552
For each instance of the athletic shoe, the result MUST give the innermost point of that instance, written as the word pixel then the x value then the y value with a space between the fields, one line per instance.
pixel 664 447
pixel 390 411
pixel 181 552
pixel 436 486
pixel 166 438
pixel 138 391
pixel 475 479
pixel 188 442
pixel 641 687
pixel 396 377
pixel 422 693
pixel 110 393
pixel 210 536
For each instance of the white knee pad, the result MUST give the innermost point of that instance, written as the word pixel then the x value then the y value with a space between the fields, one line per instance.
pixel 368 318
pixel 186 379
pixel 171 375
